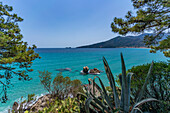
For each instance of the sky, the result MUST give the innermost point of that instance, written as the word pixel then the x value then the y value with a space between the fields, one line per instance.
pixel 67 23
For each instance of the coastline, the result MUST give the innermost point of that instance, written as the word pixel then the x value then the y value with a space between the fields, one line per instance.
pixel 112 47
pixel 134 47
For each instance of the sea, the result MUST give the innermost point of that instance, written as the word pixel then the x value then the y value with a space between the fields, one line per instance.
pixel 76 59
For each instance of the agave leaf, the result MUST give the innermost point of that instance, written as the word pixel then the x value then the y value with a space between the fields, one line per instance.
pixel 96 105
pixel 142 102
pixel 112 83
pixel 93 109
pixel 90 103
pixel 127 105
pixel 81 94
pixel 120 78
pixel 91 86
pixel 99 102
pixel 138 109
pixel 86 91
pixel 123 68
pixel 145 84
pixel 94 88
pixel 87 104
pixel 105 93
pixel 124 90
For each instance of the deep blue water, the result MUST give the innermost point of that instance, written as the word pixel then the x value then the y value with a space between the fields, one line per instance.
pixel 76 59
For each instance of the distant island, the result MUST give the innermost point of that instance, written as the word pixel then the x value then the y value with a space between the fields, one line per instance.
pixel 68 47
pixel 120 42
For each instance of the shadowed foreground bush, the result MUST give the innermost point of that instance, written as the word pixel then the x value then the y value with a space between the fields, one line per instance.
pixel 158 86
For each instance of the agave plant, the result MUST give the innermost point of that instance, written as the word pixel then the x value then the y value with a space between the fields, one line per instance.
pixel 98 99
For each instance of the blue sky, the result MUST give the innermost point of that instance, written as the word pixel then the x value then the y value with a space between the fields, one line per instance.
pixel 68 23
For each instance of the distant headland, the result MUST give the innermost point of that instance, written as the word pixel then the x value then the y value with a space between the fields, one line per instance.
pixel 120 42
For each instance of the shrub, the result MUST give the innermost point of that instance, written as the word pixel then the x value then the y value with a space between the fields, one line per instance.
pixel 60 87
pixel 69 105
pixel 45 78
pixel 158 86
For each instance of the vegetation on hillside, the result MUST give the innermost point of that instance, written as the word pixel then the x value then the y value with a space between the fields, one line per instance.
pixel 151 16
pixel 15 55
pixel 127 41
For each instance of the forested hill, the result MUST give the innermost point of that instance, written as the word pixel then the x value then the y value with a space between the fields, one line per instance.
pixel 119 41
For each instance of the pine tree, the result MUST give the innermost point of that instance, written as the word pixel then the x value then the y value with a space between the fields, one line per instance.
pixel 15 55
pixel 151 16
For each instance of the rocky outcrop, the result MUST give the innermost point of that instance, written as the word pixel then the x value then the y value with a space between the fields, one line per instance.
pixel 94 71
pixel 64 69
pixel 85 69
pixel 41 103
pixel 15 106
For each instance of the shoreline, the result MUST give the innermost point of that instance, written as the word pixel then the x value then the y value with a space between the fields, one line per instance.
pixel 92 47
pixel 134 47
pixel 110 47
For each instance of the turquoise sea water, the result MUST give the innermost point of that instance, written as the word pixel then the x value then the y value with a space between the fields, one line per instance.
pixel 76 59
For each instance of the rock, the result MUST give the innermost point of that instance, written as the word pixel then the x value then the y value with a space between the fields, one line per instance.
pixel 64 69
pixel 85 69
pixel 45 98
pixel 94 71
pixel 15 106
pixel 41 103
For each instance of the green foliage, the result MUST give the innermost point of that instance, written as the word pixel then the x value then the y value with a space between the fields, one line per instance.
pixel 75 84
pixel 60 87
pixel 158 86
pixel 45 78
pixel 163 45
pixel 15 55
pixel 104 102
pixel 69 105
pixel 116 42
pixel 151 16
